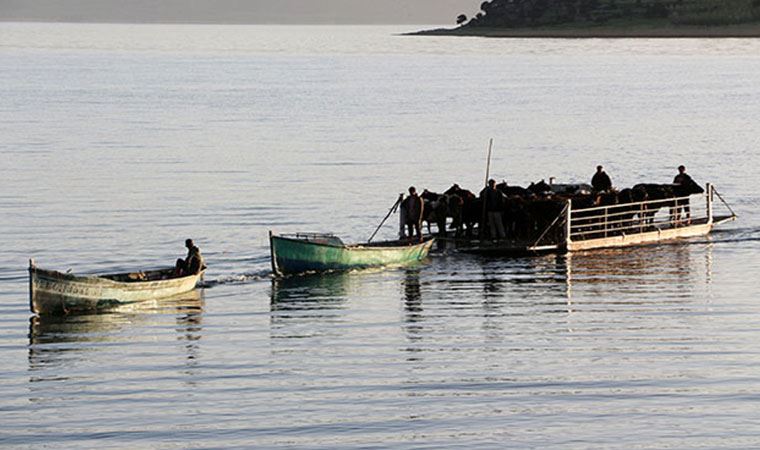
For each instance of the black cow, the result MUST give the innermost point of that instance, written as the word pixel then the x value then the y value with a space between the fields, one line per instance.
pixel 682 209
pixel 540 188
pixel 435 211
pixel 630 201
pixel 469 207
pixel 668 196
pixel 514 191
pixel 658 196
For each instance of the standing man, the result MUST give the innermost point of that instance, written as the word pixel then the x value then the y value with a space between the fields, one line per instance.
pixel 601 181
pixel 684 184
pixel 494 206
pixel 412 208
pixel 683 178
pixel 191 265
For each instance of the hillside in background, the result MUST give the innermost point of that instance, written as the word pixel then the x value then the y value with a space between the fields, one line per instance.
pixel 541 13
pixel 538 13
pixel 611 18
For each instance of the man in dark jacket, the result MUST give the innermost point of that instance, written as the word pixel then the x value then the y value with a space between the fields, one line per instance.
pixel 683 178
pixel 685 183
pixel 494 207
pixel 411 209
pixel 601 181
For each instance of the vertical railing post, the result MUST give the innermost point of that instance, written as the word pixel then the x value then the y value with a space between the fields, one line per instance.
pixel 402 218
pixel 605 221
pixel 709 192
pixel 569 224
pixel 32 266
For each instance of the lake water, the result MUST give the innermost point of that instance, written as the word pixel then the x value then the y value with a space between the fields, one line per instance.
pixel 119 141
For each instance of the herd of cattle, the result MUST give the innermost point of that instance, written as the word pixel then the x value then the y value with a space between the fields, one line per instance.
pixel 529 212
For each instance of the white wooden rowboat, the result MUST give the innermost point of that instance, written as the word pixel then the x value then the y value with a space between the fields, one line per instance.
pixel 52 292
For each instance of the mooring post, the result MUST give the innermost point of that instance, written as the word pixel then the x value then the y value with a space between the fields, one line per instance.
pixel 709 192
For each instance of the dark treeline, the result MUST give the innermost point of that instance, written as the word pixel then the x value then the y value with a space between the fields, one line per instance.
pixel 543 13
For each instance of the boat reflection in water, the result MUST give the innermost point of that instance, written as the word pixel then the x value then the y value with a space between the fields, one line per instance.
pixel 414 313
pixel 530 286
pixel 298 302
pixel 675 270
pixel 60 346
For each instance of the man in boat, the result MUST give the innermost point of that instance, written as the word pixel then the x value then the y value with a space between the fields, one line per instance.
pixel 683 183
pixel 411 209
pixel 601 181
pixel 191 265
pixel 494 206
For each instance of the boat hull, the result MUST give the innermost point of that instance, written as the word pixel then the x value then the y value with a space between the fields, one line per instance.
pixel 293 256
pixel 53 293
pixel 648 237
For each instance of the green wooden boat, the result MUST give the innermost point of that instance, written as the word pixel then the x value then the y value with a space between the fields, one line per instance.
pixel 312 252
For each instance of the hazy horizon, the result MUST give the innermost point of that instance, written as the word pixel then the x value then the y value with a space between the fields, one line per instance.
pixel 239 11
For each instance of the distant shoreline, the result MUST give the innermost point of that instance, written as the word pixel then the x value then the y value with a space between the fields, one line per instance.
pixel 751 30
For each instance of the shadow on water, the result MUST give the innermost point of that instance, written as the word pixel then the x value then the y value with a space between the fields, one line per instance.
pixel 60 343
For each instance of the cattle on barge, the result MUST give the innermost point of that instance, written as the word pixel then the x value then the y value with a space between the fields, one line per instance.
pixel 549 217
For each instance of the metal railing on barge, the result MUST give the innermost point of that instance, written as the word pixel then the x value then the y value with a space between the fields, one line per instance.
pixel 643 221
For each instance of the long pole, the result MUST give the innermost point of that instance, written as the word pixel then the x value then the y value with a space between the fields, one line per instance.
pixel 391 211
pixel 481 228
pixel 488 163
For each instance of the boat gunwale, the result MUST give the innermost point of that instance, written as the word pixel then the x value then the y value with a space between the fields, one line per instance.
pixel 358 247
pixel 99 279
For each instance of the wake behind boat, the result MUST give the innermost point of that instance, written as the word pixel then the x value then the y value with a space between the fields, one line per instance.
pixel 52 292
pixel 313 252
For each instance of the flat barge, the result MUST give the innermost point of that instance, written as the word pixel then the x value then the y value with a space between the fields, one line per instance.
pixel 599 227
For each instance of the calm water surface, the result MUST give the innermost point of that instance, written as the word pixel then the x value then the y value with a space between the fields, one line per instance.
pixel 119 141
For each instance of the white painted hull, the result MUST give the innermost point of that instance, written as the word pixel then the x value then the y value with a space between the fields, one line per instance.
pixel 53 292
pixel 650 237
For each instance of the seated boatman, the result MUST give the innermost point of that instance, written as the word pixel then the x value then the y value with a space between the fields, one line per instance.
pixel 412 209
pixel 601 181
pixel 191 265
